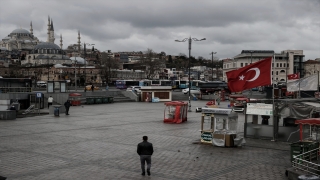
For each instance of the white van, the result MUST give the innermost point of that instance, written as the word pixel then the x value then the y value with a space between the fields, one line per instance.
pixel 41 84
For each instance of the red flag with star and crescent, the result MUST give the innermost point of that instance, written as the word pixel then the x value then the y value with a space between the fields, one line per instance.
pixel 253 75
pixel 293 76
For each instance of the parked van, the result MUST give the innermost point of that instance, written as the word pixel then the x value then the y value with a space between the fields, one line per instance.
pixel 41 84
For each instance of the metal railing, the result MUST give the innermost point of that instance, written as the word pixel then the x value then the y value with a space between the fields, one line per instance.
pixel 15 89
pixel 308 162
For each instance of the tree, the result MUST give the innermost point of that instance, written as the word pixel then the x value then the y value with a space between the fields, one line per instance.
pixel 108 62
pixel 152 62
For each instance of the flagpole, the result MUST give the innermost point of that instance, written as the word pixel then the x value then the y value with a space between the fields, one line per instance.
pixel 273 106
pixel 318 83
pixel 299 87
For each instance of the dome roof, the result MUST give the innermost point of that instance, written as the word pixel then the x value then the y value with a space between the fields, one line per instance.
pixel 21 31
pixel 46 45
pixel 79 60
pixel 58 66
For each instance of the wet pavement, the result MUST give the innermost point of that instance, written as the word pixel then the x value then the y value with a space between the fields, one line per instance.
pixel 99 142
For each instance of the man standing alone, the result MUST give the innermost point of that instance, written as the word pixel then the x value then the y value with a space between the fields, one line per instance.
pixel 67 105
pixel 50 100
pixel 145 150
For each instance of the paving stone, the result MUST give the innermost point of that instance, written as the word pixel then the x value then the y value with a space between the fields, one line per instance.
pixel 100 141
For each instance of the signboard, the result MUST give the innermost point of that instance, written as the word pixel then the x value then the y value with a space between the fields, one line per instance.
pixel 259 109
pixel 206 137
pixel 39 95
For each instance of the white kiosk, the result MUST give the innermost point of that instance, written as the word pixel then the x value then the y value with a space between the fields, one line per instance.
pixel 219 127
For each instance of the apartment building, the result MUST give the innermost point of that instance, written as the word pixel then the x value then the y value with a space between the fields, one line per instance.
pixel 286 62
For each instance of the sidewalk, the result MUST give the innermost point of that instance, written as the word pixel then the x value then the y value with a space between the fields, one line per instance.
pixel 99 142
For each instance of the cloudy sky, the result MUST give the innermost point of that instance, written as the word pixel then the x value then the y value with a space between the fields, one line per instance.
pixel 229 26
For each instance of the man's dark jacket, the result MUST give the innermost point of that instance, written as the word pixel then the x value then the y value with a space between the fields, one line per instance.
pixel 145 148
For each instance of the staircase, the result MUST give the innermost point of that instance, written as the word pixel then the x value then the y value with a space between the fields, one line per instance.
pixel 120 97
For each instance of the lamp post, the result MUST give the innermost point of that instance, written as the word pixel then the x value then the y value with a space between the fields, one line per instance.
pixel 85 61
pixel 75 73
pixel 212 53
pixel 48 67
pixel 190 41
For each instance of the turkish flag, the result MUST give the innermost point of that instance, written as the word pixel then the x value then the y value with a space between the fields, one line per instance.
pixel 293 76
pixel 253 75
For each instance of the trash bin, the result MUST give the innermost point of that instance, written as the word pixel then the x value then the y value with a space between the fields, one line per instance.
pixel 17 106
pixel 110 99
pixel 90 100
pixel 104 100
pixel 98 100
pixel 56 110
pixel 308 177
pixel 302 147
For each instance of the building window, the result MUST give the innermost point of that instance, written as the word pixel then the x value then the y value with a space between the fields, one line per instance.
pixel 241 64
pixel 277 64
pixel 280 64
pixel 276 72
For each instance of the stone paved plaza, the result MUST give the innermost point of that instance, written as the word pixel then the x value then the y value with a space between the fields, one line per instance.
pixel 99 142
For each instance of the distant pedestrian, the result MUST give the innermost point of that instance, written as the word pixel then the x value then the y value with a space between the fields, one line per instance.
pixel 218 100
pixel 145 150
pixel 50 100
pixel 92 88
pixel 67 105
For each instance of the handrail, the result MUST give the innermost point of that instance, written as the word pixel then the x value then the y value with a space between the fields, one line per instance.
pixel 304 162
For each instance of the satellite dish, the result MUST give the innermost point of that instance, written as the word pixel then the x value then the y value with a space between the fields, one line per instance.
pixel 285 112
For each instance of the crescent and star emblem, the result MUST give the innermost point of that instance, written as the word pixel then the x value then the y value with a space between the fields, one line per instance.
pixel 257 70
pixel 294 76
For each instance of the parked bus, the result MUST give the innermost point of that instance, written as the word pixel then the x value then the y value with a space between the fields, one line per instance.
pixel 124 84
pixel 213 86
pixel 166 82
pixel 155 83
pixel 183 84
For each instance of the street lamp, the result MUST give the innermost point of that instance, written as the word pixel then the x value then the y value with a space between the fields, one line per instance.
pixel 85 61
pixel 212 53
pixel 75 73
pixel 190 41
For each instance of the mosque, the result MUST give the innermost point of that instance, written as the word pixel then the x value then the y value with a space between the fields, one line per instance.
pixel 36 52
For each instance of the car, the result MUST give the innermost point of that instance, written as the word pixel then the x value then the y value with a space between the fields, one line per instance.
pixel 41 84
pixel 88 87
pixel 193 91
pixel 136 89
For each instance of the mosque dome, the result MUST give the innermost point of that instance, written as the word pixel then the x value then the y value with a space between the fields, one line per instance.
pixel 79 60
pixel 58 66
pixel 20 31
pixel 46 45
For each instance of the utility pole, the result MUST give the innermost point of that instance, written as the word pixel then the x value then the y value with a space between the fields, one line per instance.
pixel 212 53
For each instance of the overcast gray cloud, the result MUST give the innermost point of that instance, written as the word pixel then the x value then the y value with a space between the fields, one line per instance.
pixel 136 25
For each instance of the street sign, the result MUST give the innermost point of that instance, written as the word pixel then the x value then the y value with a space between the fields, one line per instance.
pixel 39 95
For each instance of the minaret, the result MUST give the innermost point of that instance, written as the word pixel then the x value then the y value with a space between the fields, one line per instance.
pixel 51 32
pixel 61 41
pixel 48 38
pixel 31 29
pixel 79 42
